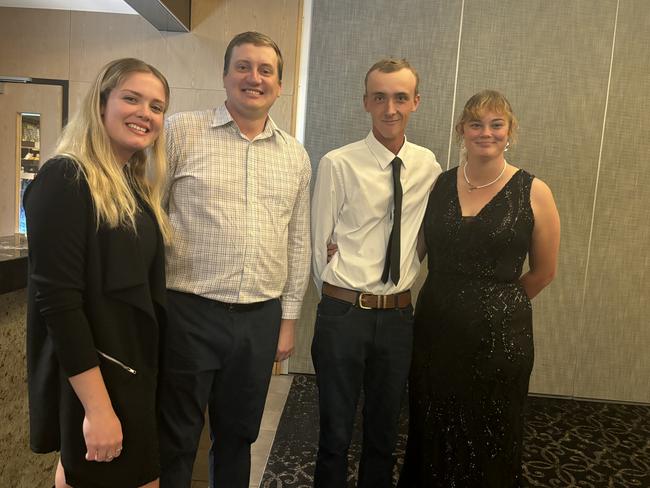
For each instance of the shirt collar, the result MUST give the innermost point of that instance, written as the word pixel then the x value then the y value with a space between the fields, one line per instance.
pixel 384 156
pixel 222 118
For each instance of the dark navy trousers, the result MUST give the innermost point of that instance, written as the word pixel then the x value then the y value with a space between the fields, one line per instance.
pixel 222 358
pixel 353 350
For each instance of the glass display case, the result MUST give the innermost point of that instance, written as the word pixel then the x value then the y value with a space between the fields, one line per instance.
pixel 29 153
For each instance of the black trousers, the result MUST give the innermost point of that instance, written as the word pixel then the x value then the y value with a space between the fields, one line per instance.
pixel 354 349
pixel 223 359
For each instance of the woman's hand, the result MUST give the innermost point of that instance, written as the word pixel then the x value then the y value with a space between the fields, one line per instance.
pixel 103 435
pixel 101 428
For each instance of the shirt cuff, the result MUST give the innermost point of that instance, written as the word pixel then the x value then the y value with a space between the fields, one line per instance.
pixel 290 308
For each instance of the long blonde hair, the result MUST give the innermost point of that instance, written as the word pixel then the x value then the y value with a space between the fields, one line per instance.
pixel 85 141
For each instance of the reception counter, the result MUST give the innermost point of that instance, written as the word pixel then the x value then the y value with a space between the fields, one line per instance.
pixel 19 468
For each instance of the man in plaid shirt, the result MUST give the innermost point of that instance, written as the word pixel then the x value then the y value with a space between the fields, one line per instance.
pixel 237 269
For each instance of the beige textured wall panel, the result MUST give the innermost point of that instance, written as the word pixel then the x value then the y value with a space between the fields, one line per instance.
pixel 193 61
pixel 152 48
pixel 300 361
pixel 282 112
pixel 34 43
pixel 214 24
pixel 278 19
pixel 76 94
pixel 614 357
pixel 555 75
pixel 97 38
pixel 183 99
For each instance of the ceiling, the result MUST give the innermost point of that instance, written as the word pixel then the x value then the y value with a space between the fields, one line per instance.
pixel 113 6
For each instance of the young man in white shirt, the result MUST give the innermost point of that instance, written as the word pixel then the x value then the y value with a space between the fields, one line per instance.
pixel 369 201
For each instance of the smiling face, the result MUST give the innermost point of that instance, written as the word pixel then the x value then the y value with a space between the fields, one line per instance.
pixel 133 114
pixel 486 137
pixel 390 99
pixel 252 83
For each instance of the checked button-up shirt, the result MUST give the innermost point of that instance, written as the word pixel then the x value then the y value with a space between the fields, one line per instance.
pixel 239 210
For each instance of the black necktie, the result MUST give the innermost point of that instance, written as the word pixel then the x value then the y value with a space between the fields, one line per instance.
pixel 392 252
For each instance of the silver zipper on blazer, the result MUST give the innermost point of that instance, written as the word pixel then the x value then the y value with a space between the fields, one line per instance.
pixel 117 361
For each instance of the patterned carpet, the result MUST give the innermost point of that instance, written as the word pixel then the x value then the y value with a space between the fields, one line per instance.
pixel 568 444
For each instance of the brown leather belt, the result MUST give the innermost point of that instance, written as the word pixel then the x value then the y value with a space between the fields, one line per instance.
pixel 368 300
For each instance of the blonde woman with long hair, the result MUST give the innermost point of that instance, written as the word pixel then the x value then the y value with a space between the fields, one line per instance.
pixel 96 295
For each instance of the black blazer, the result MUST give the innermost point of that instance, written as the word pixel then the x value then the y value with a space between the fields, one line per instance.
pixel 88 290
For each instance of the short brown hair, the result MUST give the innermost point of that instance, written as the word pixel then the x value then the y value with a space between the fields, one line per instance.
pixel 391 65
pixel 256 39
pixel 488 101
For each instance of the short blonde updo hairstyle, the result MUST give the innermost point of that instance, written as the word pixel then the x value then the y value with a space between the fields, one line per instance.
pixel 488 101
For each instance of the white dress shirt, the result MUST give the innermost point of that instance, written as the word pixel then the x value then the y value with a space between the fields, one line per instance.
pixel 352 206
pixel 239 210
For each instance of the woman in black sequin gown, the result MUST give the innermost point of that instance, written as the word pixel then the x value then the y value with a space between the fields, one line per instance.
pixel 473 351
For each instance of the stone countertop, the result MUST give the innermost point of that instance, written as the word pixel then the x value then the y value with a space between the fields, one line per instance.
pixel 13 247
pixel 13 263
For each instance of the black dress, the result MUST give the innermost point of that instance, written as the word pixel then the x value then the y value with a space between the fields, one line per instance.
pixel 473 350
pixel 96 297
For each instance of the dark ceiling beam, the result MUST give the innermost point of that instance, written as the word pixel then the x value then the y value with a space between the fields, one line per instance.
pixel 165 15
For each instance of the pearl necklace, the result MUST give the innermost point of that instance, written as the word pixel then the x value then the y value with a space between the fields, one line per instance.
pixel 473 187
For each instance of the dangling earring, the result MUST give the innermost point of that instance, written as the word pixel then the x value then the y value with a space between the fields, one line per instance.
pixel 507 146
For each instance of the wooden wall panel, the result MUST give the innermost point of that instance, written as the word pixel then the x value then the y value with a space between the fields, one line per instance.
pixel 34 43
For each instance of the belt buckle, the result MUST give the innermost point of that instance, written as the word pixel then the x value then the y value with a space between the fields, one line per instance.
pixel 360 301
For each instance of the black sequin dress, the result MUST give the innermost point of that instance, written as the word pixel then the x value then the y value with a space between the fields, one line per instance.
pixel 473 350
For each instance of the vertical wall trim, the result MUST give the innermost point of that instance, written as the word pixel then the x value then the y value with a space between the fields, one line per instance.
pixel 453 102
pixel 69 47
pixel 593 207
pixel 296 69
pixel 303 73
pixel 300 117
